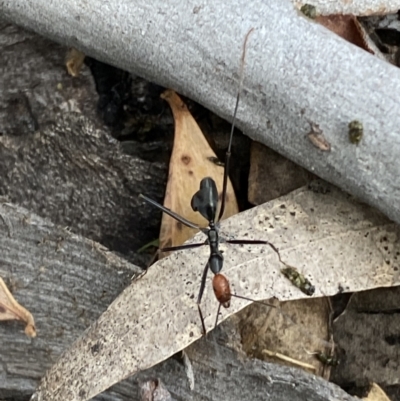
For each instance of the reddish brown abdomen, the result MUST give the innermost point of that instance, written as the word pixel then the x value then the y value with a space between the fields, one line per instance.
pixel 222 290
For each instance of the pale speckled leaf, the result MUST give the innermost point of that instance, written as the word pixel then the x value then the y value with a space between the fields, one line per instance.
pixel 335 241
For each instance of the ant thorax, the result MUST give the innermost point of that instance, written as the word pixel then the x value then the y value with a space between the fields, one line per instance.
pixel 212 235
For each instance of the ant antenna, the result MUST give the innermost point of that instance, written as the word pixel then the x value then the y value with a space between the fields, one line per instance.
pixel 205 201
pixel 228 152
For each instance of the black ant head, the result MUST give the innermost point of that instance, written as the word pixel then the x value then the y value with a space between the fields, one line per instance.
pixel 205 200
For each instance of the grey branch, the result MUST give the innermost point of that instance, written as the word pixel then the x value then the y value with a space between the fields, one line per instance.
pixel 296 72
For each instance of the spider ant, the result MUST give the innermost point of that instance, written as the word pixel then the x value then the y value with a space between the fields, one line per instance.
pixel 205 201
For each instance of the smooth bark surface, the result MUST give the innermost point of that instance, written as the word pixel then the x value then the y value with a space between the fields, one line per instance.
pixel 296 71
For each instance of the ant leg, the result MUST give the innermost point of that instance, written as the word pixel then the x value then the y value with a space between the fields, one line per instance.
pixel 172 248
pixel 216 318
pixel 257 302
pixel 203 329
pixel 202 286
pixel 168 249
pixel 247 241
pixel 203 283
pixel 149 264
pixel 178 248
pixel 255 242
pixel 170 213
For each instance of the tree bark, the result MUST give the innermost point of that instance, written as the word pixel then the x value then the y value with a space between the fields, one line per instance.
pixel 220 373
pixel 296 72
pixel 70 171
pixel 56 157
pixel 64 280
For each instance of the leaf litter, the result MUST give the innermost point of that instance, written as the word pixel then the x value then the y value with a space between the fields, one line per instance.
pixel 172 235
pixel 336 242
pixel 191 161
pixel 293 332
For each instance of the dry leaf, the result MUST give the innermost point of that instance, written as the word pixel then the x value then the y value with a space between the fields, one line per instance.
pixel 339 244
pixel 317 138
pixel 191 161
pixel 345 26
pixel 74 61
pixel 376 394
pixel 10 309
pixel 153 390
pixel 349 28
pixel 356 7
pixel 272 175
pixel 277 332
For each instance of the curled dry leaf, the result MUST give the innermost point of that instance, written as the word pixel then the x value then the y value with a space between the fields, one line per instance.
pixel 74 61
pixel 337 243
pixel 10 309
pixel 153 390
pixel 317 138
pixel 188 369
pixel 191 161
